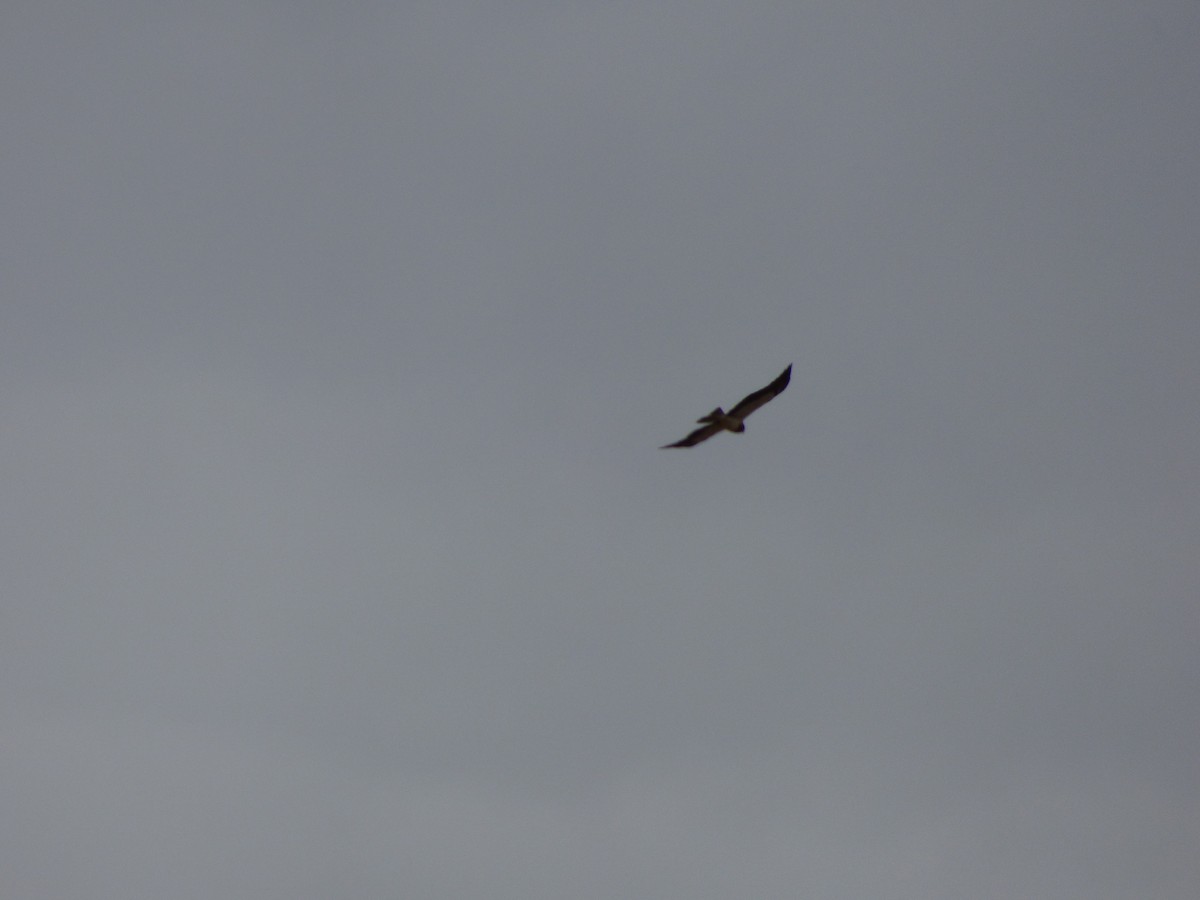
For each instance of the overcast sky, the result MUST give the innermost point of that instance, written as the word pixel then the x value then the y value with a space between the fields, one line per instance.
pixel 339 559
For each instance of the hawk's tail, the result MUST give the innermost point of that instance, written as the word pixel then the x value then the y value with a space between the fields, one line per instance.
pixel 712 416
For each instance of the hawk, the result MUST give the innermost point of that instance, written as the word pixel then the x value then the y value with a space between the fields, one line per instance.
pixel 734 420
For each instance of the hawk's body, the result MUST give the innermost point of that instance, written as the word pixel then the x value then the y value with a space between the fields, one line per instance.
pixel 734 420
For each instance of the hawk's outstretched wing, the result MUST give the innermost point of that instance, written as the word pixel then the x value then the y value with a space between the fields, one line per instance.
pixel 752 402
pixel 700 434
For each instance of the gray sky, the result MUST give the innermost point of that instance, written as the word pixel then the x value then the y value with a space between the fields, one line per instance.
pixel 338 558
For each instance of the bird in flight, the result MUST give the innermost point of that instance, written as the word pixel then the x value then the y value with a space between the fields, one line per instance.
pixel 734 420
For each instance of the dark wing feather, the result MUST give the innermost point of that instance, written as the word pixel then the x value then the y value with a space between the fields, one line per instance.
pixel 700 434
pixel 758 398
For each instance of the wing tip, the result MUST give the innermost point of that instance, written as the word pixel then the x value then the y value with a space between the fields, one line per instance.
pixel 784 378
